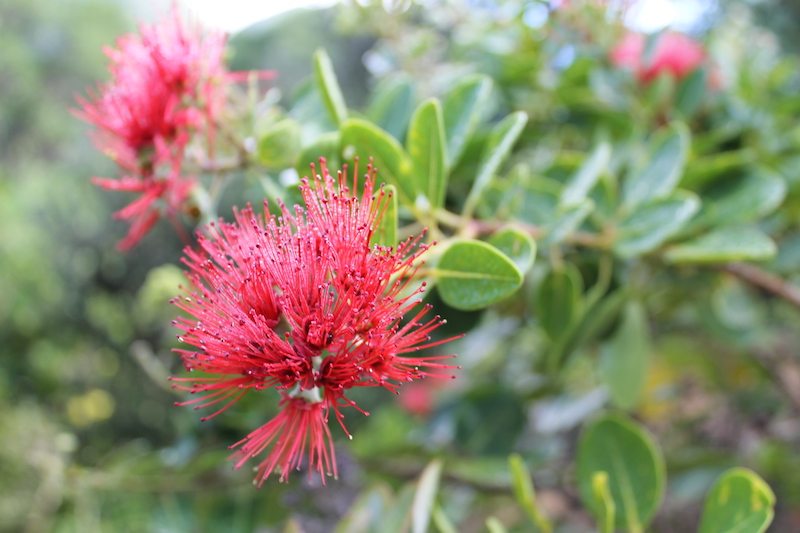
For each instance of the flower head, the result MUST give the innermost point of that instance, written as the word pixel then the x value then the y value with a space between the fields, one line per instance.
pixel 167 83
pixel 306 304
pixel 674 54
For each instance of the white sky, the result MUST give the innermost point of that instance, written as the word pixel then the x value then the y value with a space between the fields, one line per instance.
pixel 234 15
pixel 653 15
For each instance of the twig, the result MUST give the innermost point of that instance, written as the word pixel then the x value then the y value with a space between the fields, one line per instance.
pixel 475 227
pixel 764 280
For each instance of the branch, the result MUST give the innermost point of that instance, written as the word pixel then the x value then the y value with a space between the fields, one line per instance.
pixel 766 281
pixel 474 227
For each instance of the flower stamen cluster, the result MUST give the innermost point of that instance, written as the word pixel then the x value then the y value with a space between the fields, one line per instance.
pixel 167 83
pixel 305 303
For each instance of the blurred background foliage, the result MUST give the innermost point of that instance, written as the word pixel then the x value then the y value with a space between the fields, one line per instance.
pixel 89 438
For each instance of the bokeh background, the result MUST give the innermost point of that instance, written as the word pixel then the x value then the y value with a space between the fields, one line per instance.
pixel 89 438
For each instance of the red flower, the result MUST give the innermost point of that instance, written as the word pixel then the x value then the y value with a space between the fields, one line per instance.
pixel 305 304
pixel 674 53
pixel 167 83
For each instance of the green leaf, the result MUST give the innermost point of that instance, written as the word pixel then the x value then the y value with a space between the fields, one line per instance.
pixel 615 444
pixel 501 140
pixel 691 92
pixel 739 502
pixel 473 274
pixel 649 226
pixel 386 230
pixel 279 146
pixel 425 496
pixel 495 526
pixel 525 494
pixel 292 526
pixel 598 316
pixel 537 200
pixel 662 173
pixel 392 104
pixel 329 87
pixel 558 300
pixel 745 200
pixel 426 146
pixel 327 145
pixel 659 93
pixel 722 245
pixel 603 502
pixel 365 140
pixel 396 520
pixel 518 245
pixel 462 111
pixel 715 166
pixel 578 187
pixel 566 223
pixel 625 358
pixel 443 524
pixel 367 510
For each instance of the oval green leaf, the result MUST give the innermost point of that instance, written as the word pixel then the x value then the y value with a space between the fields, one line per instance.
pixel 661 175
pixel 426 146
pixel 462 111
pixel 473 274
pixel 280 145
pixel 501 140
pixel 394 166
pixel 707 169
pixel 329 88
pixel 536 201
pixel 745 200
pixel 691 92
pixel 567 222
pixel 625 358
pixel 518 245
pixel 739 502
pixel 579 185
pixel 391 104
pixel 615 444
pixel 558 300
pixel 327 145
pixel 649 226
pixel 597 317
pixel 723 245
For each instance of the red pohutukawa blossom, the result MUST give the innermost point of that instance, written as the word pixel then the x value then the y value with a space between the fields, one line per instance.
pixel 306 304
pixel 674 54
pixel 167 84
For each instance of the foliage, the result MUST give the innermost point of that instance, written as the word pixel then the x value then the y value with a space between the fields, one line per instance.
pixel 619 252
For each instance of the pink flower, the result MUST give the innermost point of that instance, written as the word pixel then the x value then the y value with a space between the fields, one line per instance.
pixel 166 83
pixel 418 399
pixel 305 304
pixel 674 53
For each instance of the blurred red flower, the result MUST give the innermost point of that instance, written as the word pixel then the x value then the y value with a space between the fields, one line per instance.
pixel 306 304
pixel 673 53
pixel 167 82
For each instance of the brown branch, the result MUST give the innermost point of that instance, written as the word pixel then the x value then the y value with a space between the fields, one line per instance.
pixel 765 280
pixel 474 227
pixel 227 165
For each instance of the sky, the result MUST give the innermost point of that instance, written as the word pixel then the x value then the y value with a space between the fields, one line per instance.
pixel 235 15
